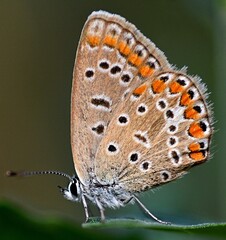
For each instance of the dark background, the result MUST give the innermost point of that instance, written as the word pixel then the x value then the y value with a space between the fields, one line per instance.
pixel 38 41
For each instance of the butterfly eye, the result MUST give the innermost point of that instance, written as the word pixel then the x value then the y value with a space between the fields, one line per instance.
pixel 73 189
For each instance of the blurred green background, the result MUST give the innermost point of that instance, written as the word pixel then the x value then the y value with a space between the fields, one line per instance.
pixel 38 41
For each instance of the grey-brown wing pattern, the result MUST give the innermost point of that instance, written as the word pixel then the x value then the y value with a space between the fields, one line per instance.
pixel 113 57
pixel 162 129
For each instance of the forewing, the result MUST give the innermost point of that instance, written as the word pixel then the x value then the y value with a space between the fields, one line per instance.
pixel 161 130
pixel 112 58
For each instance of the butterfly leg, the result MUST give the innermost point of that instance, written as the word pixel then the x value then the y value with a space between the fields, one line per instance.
pixel 85 208
pixel 148 212
pixel 101 210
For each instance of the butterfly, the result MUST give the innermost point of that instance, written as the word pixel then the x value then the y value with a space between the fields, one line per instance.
pixel 136 121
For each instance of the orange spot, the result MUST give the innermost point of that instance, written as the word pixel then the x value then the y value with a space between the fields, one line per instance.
pixel 140 90
pixel 93 40
pixel 146 71
pixel 134 59
pixel 185 99
pixel 123 48
pixel 191 113
pixel 197 156
pixel 193 147
pixel 158 86
pixel 110 41
pixel 175 87
pixel 196 131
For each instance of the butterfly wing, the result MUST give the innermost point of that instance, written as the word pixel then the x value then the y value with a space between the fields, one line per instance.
pixel 160 130
pixel 112 58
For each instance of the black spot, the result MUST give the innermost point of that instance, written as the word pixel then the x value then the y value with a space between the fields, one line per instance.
pixel 145 165
pixel 73 189
pixel 125 78
pixel 203 126
pixel 139 53
pixel 104 65
pixel 145 188
pixel 141 109
pixel 197 109
pixel 122 119
pixel 128 40
pixel 134 157
pixel 112 148
pixel 100 102
pixel 169 114
pixel 181 82
pixel 191 93
pixel 113 32
pixel 164 78
pixel 151 65
pixel 172 128
pixel 115 69
pixel 98 129
pixel 141 138
pixel 165 176
pixel 175 156
pixel 202 144
pixel 162 104
pixel 172 141
pixel 136 95
pixel 89 73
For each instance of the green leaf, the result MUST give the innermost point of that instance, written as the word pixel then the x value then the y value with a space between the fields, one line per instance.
pixel 16 223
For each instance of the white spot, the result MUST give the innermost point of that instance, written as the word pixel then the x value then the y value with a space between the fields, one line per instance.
pixel 145 166
pixel 125 78
pixel 171 129
pixel 172 141
pixel 97 102
pixel 142 138
pixel 128 37
pixel 125 94
pixel 113 27
pixel 134 157
pixel 142 109
pixel 108 49
pixel 167 76
pixel 112 148
pixel 123 119
pixel 88 73
pixel 96 28
pixel 140 48
pixel 175 157
pixel 165 176
pixel 97 128
pixel 115 70
pixel 161 104
pixel 152 61
pixel 104 65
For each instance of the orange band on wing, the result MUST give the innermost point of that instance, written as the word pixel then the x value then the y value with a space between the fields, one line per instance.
pixel 196 131
pixel 158 86
pixel 175 87
pixel 197 156
pixel 191 113
pixel 134 59
pixel 110 41
pixel 146 71
pixel 123 48
pixel 93 40
pixel 140 90
pixel 185 99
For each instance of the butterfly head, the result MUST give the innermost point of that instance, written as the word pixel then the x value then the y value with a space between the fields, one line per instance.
pixel 73 190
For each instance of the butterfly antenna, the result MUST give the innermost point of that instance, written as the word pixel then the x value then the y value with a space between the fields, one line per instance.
pixel 32 173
